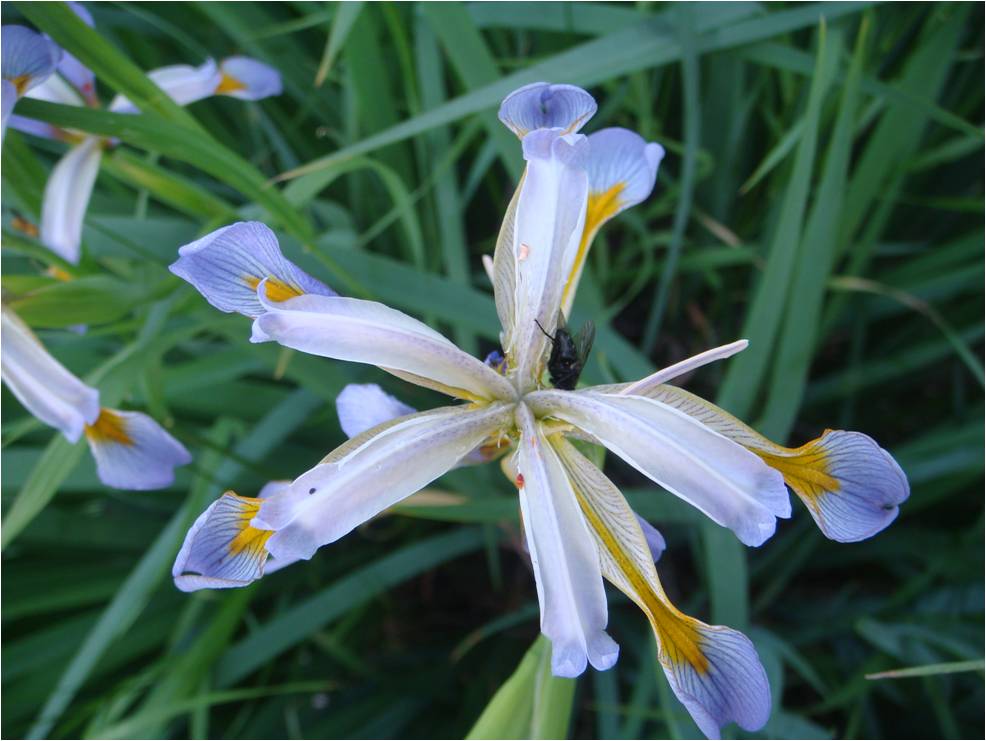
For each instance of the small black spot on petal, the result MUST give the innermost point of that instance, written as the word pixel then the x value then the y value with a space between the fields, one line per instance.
pixel 311 491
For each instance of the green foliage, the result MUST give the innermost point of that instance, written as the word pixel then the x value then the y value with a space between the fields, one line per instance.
pixel 822 196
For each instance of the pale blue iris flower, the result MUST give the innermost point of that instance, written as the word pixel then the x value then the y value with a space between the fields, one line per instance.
pixel 69 187
pixel 578 527
pixel 131 450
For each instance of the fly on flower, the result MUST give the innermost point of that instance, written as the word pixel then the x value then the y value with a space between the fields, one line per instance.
pixel 578 527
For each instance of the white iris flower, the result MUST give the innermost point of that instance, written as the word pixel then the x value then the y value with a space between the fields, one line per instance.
pixel 578 527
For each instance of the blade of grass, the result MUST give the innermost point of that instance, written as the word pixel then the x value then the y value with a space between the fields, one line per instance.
pixel 342 22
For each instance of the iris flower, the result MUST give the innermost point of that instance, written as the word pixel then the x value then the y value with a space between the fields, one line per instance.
pixel 132 451
pixel 578 527
pixel 28 59
pixel 70 184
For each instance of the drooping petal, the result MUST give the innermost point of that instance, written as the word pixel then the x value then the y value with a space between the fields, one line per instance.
pixel 222 550
pixel 622 168
pixel 66 198
pixel 714 671
pixel 541 105
pixel 370 473
pixel 566 564
pixel 722 479
pixel 851 486
pixel 369 332
pixel 655 541
pixel 248 79
pixel 45 388
pixel 27 58
pixel 132 451
pixel 183 83
pixel 361 406
pixel 226 266
pixel 545 238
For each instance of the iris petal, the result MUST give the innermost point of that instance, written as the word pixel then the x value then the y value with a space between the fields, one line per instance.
pixel 134 452
pixel 541 105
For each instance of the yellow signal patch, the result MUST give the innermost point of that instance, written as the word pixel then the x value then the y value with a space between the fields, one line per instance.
pixel 276 289
pixel 109 427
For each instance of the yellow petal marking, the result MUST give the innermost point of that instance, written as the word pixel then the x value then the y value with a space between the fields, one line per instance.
pixel 678 634
pixel 276 289
pixel 20 83
pixel 805 470
pixel 602 207
pixel 249 538
pixel 109 427
pixel 229 84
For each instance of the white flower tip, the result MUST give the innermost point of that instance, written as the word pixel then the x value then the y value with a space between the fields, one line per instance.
pixel 134 452
pixel 541 105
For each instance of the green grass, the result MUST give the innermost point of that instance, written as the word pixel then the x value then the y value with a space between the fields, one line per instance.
pixel 822 196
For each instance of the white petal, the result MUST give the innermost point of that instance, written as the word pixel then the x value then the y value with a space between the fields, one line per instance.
pixel 27 57
pixel 566 563
pixel 722 479
pixel 549 222
pixel 134 452
pixel 651 382
pixel 371 472
pixel 45 388
pixel 368 332
pixel 183 83
pixel 66 198
pixel 56 90
pixel 248 79
pixel 226 266
pixel 541 105
pixel 361 406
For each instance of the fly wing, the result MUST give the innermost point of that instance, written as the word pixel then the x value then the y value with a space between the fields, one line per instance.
pixel 584 340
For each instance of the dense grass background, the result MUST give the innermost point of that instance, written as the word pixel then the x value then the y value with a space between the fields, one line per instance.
pixel 822 195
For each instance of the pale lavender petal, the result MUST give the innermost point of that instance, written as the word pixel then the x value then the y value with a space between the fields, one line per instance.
pixel 729 687
pixel 361 406
pixel 33 127
pixel 622 160
pixel 27 58
pixel 248 79
pixel 183 83
pixel 541 105
pixel 655 541
pixel 226 266
pixel 221 549
pixel 132 451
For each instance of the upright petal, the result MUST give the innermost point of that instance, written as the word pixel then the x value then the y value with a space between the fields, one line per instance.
pixel 722 479
pixel 226 266
pixel 566 564
pixel 852 487
pixel 66 198
pixel 132 451
pixel 371 472
pixel 368 332
pixel 641 387
pixel 622 169
pixel 27 58
pixel 222 550
pixel 248 79
pixel 541 105
pixel 714 671
pixel 361 406
pixel 183 83
pixel 42 384
pixel 545 238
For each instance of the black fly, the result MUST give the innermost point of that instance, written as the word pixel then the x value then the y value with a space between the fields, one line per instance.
pixel 568 353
